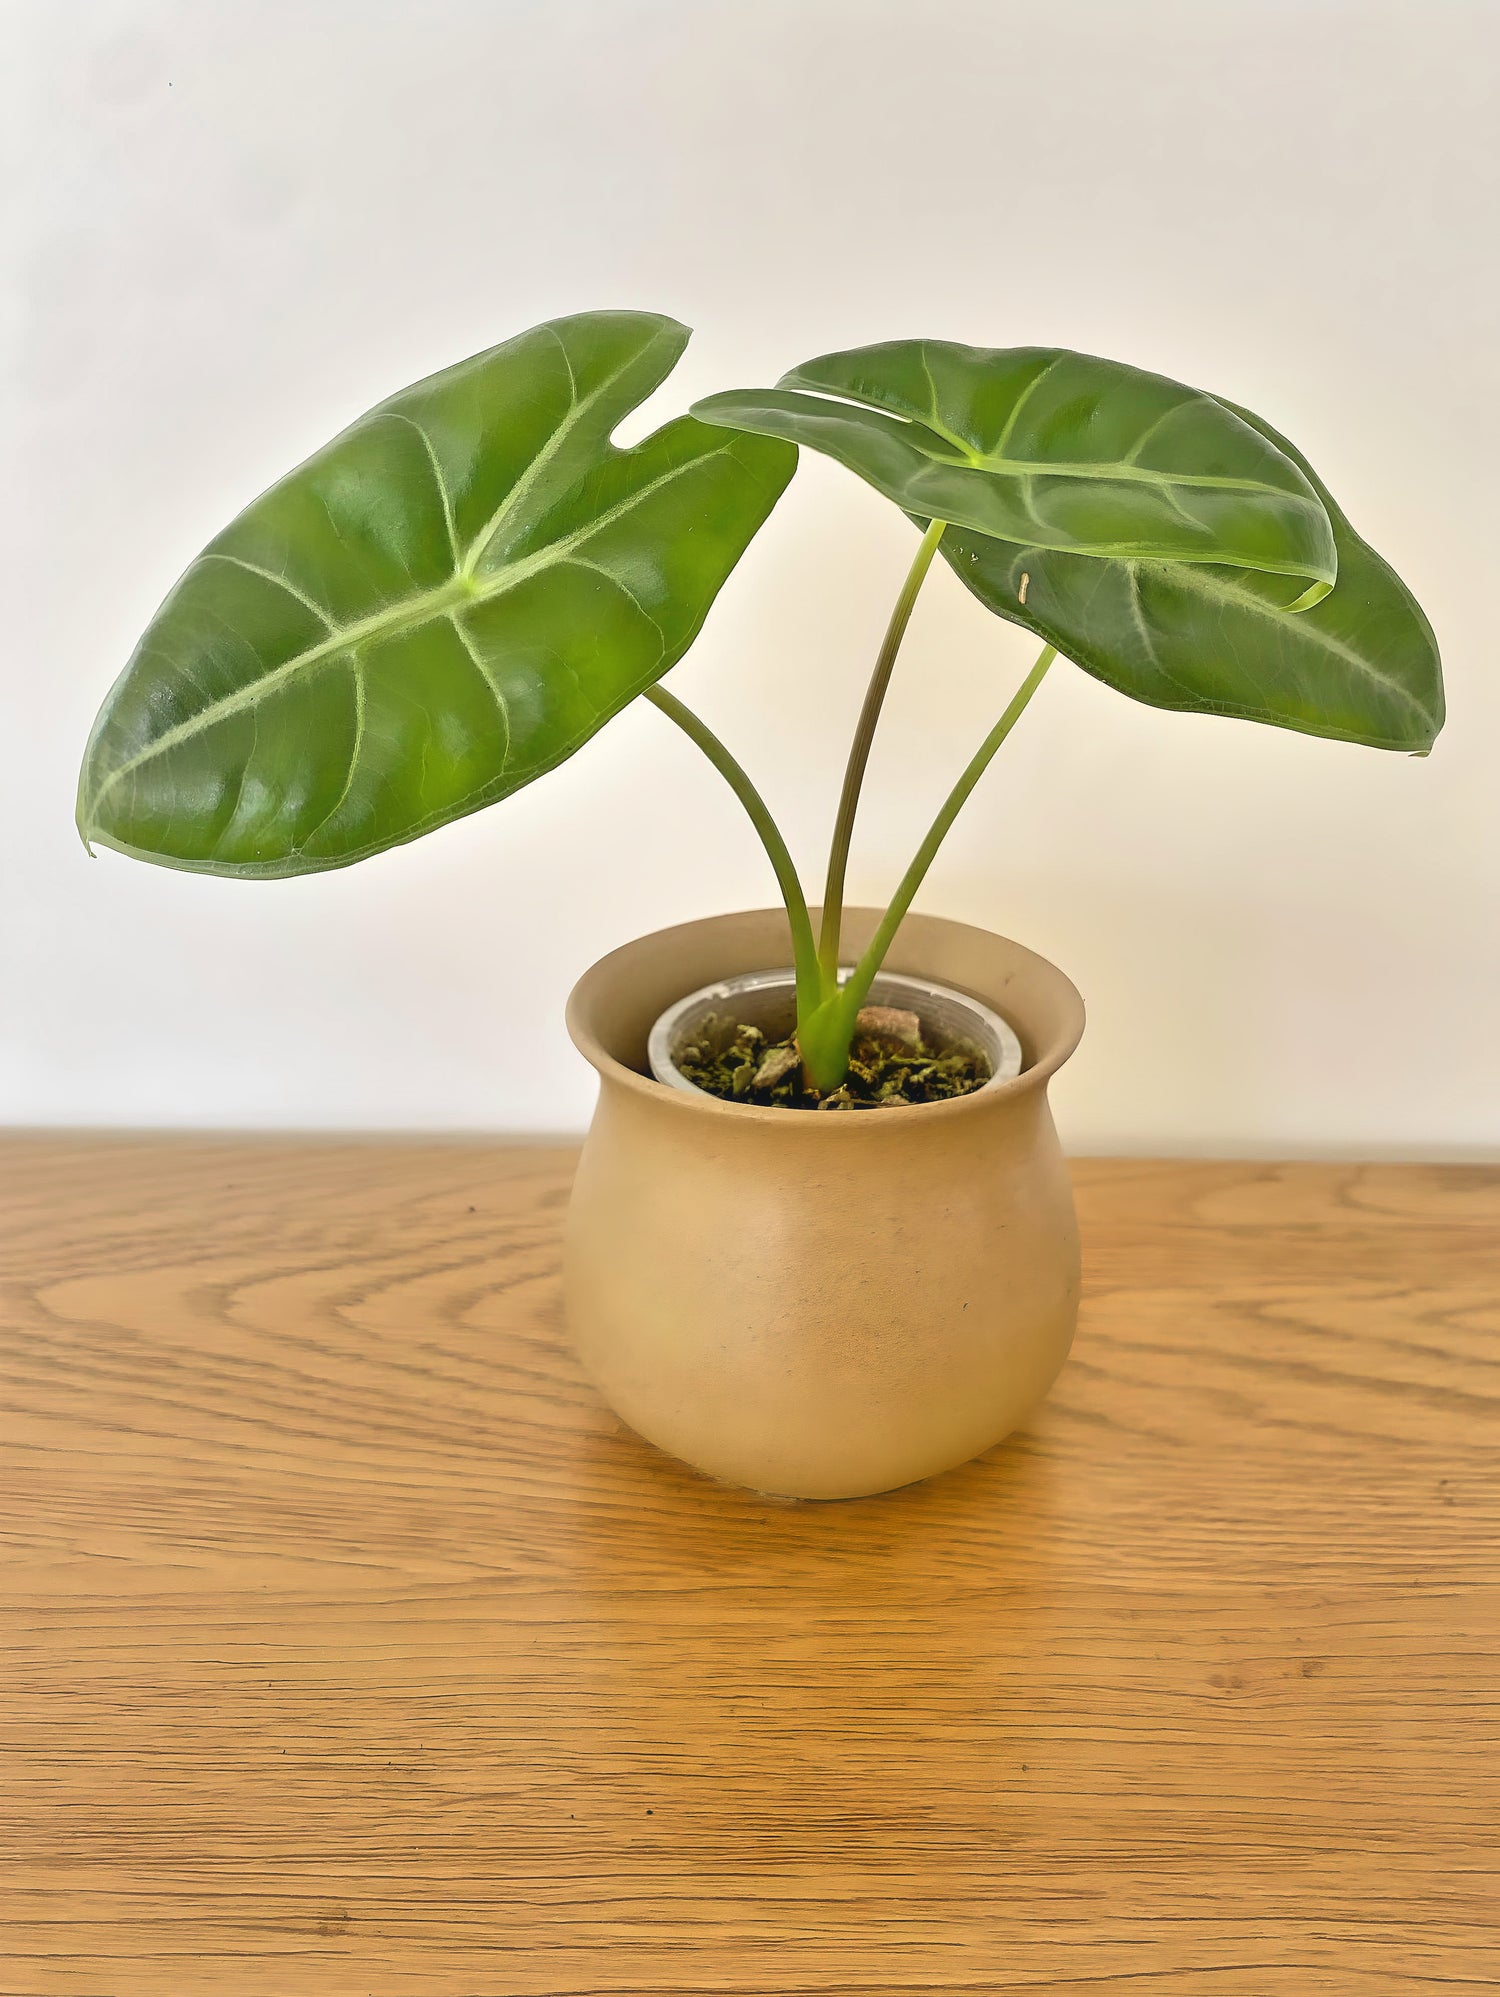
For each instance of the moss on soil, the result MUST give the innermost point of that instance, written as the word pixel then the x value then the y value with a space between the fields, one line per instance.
pixel 739 1064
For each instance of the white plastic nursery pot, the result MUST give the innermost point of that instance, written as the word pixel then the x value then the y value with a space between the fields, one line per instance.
pixel 812 1305
pixel 768 1000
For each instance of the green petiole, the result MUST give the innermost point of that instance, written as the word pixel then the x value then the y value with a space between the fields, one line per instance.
pixel 827 1010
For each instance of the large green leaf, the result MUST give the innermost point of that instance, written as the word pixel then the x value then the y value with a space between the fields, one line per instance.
pixel 1361 666
pixel 1051 449
pixel 439 606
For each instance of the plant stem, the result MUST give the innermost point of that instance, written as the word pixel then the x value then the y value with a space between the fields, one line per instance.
pixel 859 753
pixel 854 992
pixel 804 947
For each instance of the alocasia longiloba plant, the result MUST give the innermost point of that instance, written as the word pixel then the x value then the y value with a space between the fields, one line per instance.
pixel 456 593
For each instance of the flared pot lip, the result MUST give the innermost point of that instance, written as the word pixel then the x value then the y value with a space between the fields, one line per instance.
pixel 1048 1057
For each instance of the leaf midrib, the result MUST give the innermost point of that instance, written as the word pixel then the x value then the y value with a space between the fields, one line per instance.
pixel 1194 579
pixel 998 462
pixel 460 591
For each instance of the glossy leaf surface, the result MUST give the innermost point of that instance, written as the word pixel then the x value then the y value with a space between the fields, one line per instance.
pixel 1361 666
pixel 1052 449
pixel 442 604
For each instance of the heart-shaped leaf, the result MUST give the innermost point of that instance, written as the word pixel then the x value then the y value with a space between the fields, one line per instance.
pixel 1051 449
pixel 442 604
pixel 1361 666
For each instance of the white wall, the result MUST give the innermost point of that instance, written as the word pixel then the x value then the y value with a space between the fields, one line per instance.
pixel 231 226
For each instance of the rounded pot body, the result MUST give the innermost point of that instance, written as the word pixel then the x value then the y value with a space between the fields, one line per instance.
pixel 821 1306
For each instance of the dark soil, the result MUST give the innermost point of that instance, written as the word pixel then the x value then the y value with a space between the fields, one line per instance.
pixel 890 1065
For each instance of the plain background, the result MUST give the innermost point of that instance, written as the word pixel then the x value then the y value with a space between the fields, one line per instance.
pixel 230 227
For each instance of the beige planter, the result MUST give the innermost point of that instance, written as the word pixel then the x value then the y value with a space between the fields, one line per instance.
pixel 821 1306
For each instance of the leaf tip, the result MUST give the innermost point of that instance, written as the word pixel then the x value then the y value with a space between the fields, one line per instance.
pixel 674 330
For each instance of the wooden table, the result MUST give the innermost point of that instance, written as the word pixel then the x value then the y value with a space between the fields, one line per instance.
pixel 350 1647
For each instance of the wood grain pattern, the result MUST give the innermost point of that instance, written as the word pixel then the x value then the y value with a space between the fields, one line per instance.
pixel 349 1647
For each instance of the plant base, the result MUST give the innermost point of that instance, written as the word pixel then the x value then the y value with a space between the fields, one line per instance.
pixel 891 1065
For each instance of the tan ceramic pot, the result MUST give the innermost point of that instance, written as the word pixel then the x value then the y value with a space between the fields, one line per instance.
pixel 811 1305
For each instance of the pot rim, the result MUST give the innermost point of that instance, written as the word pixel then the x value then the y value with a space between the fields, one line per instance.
pixel 993 1096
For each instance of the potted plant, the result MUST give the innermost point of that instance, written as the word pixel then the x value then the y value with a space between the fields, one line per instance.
pixel 458 591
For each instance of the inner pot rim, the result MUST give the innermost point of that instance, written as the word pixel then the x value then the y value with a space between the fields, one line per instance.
pixel 1004 1050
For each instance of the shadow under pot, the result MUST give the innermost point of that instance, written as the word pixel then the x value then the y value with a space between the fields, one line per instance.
pixel 823 1306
